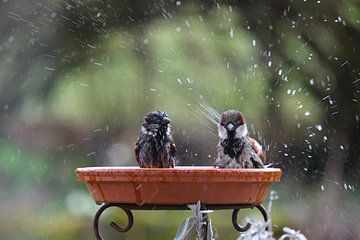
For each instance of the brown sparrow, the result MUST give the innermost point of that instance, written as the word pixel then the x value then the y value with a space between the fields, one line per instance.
pixel 235 148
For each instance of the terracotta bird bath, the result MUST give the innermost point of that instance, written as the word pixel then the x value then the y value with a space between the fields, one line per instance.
pixel 132 188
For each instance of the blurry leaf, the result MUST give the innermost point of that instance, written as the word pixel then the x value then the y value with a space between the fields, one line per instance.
pixel 201 218
pixel 187 230
pixel 351 12
pixel 210 231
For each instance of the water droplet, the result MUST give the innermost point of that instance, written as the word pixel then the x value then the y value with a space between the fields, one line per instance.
pixel 84 85
pixel 318 127
pixel 91 154
pixel 179 81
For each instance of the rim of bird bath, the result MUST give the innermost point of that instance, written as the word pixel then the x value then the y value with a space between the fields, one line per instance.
pixel 134 188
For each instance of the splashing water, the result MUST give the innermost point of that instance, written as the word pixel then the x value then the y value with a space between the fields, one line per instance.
pixel 214 117
pixel 210 113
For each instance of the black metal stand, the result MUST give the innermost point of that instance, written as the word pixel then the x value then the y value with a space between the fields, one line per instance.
pixel 128 207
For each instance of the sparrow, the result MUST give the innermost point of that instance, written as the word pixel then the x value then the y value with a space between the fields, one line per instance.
pixel 235 148
pixel 155 147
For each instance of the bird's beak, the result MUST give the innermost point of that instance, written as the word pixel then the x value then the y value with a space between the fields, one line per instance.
pixel 230 127
pixel 165 121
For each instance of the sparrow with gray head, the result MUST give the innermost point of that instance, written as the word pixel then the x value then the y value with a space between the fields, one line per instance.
pixel 155 147
pixel 235 148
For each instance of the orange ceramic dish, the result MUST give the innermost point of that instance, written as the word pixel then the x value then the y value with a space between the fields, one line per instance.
pixel 179 185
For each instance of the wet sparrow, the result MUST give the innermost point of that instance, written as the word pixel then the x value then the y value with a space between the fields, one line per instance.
pixel 235 148
pixel 155 147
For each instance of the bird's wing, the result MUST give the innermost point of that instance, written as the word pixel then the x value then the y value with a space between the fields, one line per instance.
pixel 256 160
pixel 172 148
pixel 146 155
pixel 143 152
pixel 258 149
pixel 137 150
pixel 172 152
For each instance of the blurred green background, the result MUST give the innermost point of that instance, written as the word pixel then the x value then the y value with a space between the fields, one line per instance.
pixel 77 77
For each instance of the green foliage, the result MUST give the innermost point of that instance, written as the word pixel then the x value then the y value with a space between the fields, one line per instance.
pixel 181 62
pixel 103 87
pixel 24 168
pixel 77 78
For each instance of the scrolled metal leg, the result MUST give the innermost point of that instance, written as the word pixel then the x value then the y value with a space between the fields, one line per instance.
pixel 113 224
pixel 240 228
pixel 263 211
pixel 235 223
